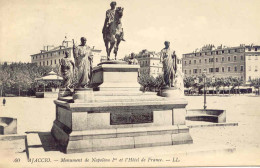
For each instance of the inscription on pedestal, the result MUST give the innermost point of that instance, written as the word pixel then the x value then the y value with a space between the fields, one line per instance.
pixel 137 117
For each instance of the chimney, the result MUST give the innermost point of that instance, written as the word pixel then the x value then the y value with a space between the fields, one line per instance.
pixel 93 47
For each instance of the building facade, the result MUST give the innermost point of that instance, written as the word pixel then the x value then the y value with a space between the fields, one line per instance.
pixel 222 62
pixel 51 56
pixel 149 63
pixel 252 55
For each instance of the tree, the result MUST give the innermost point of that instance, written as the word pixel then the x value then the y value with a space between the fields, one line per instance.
pixel 159 82
pixel 188 82
pixel 256 84
pixel 228 82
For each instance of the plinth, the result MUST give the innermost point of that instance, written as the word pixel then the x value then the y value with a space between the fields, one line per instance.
pixel 119 115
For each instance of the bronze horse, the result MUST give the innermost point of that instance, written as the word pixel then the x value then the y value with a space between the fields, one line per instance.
pixel 113 33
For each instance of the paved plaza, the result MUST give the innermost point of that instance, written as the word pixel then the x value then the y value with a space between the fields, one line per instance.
pixel 223 144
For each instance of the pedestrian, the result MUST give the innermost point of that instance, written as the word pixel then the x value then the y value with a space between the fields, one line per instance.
pixel 4 101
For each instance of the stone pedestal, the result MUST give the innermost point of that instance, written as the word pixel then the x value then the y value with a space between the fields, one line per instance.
pixel 63 92
pixel 83 95
pixel 112 75
pixel 119 116
pixel 171 92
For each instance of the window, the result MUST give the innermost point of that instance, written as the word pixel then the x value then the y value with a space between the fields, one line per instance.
pixel 55 61
pixel 195 71
pixel 217 69
pixel 249 68
pixel 47 62
pixel 216 59
pixel 222 51
pixel 223 69
pixel 229 59
pixel 228 51
pixel 249 49
pixel 185 62
pixel 43 63
pixel 205 53
pixel 235 68
pixel 205 60
pixel 200 54
pixel 190 62
pixel 235 58
pixel 223 59
pixel 217 52
pixel 51 54
pixel 209 59
pixel 40 63
pixel 200 61
pixel 200 71
pixel 229 69
pixel 194 61
pixel 51 62
pixel 211 70
pixel 59 53
pixel 249 78
pixel 242 57
pixel 235 50
pixel 190 71
pixel 255 49
pixel 241 68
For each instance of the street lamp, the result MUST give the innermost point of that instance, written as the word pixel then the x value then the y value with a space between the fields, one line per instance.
pixel 204 79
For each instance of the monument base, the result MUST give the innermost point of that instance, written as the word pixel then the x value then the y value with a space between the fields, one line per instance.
pixel 119 138
pixel 171 92
pixel 117 115
pixel 63 92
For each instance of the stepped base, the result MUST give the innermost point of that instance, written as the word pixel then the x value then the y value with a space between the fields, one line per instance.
pixel 119 138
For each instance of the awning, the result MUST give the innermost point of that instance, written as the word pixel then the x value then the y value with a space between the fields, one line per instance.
pixel 51 76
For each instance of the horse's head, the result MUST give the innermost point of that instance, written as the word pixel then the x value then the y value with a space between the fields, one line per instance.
pixel 119 12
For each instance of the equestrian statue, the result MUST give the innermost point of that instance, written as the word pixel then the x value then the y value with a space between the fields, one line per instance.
pixel 112 30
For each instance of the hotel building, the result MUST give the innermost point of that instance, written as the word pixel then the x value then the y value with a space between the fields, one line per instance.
pixel 241 61
pixel 51 56
pixel 149 62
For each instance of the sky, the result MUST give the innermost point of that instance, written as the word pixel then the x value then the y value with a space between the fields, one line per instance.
pixel 28 25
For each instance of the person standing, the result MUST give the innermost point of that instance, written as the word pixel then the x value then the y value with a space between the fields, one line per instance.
pixel 4 101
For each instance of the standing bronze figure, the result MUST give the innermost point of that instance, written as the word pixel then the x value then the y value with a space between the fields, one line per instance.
pixel 67 71
pixel 168 58
pixel 112 30
pixel 83 61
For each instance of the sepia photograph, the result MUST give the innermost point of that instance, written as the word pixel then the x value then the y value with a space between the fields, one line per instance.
pixel 129 83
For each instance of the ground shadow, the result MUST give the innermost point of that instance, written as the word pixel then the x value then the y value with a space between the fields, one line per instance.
pixel 48 142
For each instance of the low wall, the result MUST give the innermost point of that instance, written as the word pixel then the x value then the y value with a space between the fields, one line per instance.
pixel 209 115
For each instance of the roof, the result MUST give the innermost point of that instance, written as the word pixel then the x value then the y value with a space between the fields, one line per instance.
pixel 50 76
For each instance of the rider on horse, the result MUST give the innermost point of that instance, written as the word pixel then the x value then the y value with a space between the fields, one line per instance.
pixel 112 30
pixel 110 16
